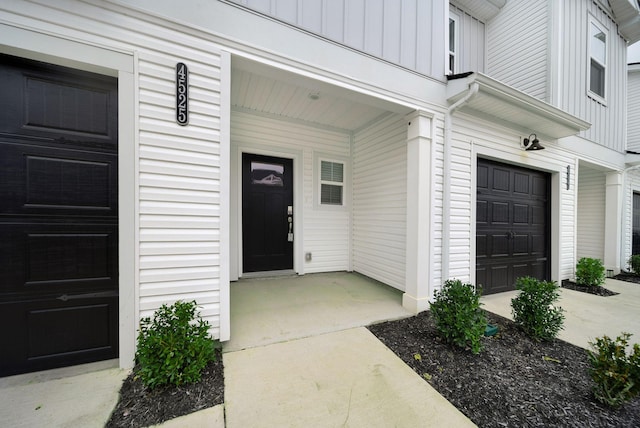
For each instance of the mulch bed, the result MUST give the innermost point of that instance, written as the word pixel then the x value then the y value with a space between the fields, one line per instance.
pixel 140 407
pixel 598 291
pixel 628 277
pixel 515 381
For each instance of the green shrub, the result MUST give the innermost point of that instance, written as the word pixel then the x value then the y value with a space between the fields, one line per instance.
pixel 590 272
pixel 634 263
pixel 174 347
pixel 457 314
pixel 616 374
pixel 533 308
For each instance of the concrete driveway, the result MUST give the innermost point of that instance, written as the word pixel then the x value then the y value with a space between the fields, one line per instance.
pixel 587 316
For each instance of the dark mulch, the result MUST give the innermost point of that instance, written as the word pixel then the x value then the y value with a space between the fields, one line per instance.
pixel 628 277
pixel 140 407
pixel 514 382
pixel 598 291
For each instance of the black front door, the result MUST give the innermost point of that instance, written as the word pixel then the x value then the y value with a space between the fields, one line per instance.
pixel 58 216
pixel 635 249
pixel 267 213
pixel 512 225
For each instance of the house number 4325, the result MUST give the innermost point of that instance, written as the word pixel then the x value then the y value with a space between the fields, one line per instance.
pixel 182 94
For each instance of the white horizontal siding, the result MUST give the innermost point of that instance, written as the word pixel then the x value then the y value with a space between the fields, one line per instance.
pixel 633 112
pixel 591 213
pixel 179 167
pixel 517 46
pixel 380 201
pixel 409 33
pixel 325 231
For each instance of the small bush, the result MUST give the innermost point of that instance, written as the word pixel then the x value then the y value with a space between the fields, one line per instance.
pixel 174 347
pixel 634 263
pixel 533 308
pixel 616 374
pixel 457 314
pixel 590 272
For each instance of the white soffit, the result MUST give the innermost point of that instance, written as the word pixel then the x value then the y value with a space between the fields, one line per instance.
pixel 498 102
pixel 627 14
pixel 484 10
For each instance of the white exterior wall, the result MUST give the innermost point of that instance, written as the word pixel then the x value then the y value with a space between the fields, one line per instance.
pixel 591 213
pixel 410 33
pixel 631 185
pixel 517 46
pixel 471 44
pixel 178 184
pixel 380 201
pixel 473 139
pixel 633 109
pixel 326 230
pixel 607 120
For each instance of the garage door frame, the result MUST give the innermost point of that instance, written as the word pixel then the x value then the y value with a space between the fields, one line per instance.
pixel 121 64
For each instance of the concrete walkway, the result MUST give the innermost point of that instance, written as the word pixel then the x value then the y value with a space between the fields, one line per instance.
pixel 319 369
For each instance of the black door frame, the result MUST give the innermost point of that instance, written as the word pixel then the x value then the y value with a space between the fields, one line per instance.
pixel 294 158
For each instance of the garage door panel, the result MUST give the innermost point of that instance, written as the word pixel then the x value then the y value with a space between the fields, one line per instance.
pixel 481 246
pixel 57 181
pixel 58 104
pixel 499 246
pixel 49 332
pixel 517 225
pixel 50 257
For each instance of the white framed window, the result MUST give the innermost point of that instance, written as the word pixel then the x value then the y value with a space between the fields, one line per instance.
pixel 332 182
pixel 454 37
pixel 597 81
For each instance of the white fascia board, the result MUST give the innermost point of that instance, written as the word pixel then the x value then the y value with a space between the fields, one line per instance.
pixel 627 13
pixel 515 107
pixel 595 154
pixel 260 38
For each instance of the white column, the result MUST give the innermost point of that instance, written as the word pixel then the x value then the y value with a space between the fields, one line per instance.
pixel 418 261
pixel 613 221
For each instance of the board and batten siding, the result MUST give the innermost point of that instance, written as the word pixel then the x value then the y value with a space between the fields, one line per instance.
pixel 179 171
pixel 633 109
pixel 591 213
pixel 325 229
pixel 517 46
pixel 471 43
pixel 380 201
pixel 607 120
pixel 409 33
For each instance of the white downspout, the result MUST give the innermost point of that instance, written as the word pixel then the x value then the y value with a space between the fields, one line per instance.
pixel 446 178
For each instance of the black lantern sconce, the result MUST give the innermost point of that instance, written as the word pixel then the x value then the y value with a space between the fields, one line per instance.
pixel 531 144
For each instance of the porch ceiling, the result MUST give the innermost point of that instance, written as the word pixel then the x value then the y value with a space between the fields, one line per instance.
pixel 493 100
pixel 265 90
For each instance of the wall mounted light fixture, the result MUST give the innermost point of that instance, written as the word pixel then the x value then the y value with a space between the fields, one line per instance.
pixel 531 144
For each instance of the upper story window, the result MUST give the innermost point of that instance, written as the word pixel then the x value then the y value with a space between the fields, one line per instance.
pixel 453 43
pixel 598 59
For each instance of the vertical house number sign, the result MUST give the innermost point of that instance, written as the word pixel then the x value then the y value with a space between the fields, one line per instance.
pixel 182 94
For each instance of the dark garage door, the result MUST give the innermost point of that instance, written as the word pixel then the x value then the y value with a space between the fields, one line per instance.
pixel 58 217
pixel 512 225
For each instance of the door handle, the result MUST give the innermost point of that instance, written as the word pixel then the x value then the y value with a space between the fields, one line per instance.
pixel 66 297
pixel 290 233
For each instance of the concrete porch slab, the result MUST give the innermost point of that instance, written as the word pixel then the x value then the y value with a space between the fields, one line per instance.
pixel 346 378
pixel 271 310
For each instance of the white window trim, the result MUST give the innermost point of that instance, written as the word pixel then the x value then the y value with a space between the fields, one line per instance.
pixel 456 39
pixel 318 182
pixel 599 98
